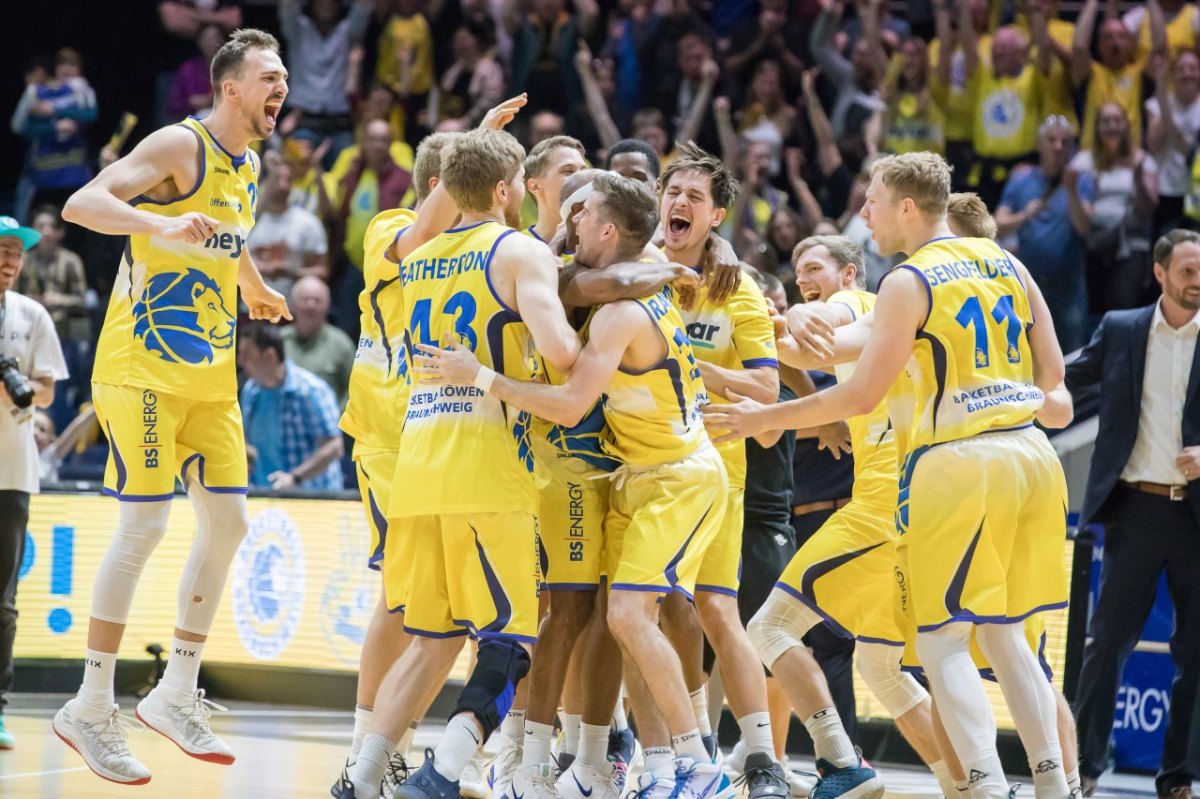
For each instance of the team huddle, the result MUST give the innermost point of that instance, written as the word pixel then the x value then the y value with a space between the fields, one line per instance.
pixel 549 430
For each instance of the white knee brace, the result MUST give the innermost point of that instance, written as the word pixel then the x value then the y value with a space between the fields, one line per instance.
pixel 140 526
pixel 222 521
pixel 779 625
pixel 879 666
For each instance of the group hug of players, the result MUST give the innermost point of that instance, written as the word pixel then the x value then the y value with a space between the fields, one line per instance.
pixel 567 419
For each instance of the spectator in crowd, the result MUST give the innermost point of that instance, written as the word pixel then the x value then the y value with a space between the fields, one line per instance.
pixel 544 44
pixel 1122 182
pixel 287 241
pixel 54 276
pixel 759 200
pixel 913 121
pixel 291 417
pixel 810 208
pixel 475 81
pixel 545 125
pixel 1117 75
pixel 314 344
pixel 948 82
pixel 53 116
pixel 1142 488
pixel 686 97
pixel 405 65
pixel 766 115
pixel 29 338
pixel 785 231
pixel 1035 208
pixel 191 88
pixel 856 79
pixel 1060 38
pixel 318 48
pixel 833 178
pixel 308 175
pixel 1171 136
pixel 53 448
pixel 773 35
pixel 185 18
pixel 603 116
pixel 1181 20
pixel 650 126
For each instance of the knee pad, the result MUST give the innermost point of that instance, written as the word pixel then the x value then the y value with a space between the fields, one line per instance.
pixel 489 692
pixel 779 625
pixel 140 526
pixel 879 666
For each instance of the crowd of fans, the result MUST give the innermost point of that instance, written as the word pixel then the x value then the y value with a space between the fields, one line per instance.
pixel 1076 125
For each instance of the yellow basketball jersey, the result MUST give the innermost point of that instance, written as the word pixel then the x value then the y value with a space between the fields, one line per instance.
pixel 735 335
pixel 379 377
pixel 654 415
pixel 971 368
pixel 173 310
pixel 872 438
pixel 462 451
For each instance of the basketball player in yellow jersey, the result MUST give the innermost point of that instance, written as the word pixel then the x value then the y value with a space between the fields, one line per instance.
pixel 663 511
pixel 165 387
pixel 982 496
pixel 465 500
pixel 549 163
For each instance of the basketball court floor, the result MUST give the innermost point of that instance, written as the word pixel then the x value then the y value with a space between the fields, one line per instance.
pixel 283 753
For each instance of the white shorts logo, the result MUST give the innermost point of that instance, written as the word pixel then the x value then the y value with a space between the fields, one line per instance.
pixel 268 585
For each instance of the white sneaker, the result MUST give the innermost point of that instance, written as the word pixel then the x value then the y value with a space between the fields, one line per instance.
pixel 533 782
pixel 587 782
pixel 701 780
pixel 648 786
pixel 800 783
pixel 102 745
pixel 500 772
pixel 735 761
pixel 185 724
pixel 473 784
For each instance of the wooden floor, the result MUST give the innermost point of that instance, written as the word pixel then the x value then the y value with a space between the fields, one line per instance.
pixel 282 753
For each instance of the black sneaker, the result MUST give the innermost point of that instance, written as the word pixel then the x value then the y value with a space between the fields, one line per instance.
pixel 763 778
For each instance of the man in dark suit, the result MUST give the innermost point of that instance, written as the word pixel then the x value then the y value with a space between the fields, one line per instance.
pixel 1142 488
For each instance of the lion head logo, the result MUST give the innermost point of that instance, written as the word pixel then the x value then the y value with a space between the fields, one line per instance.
pixel 182 316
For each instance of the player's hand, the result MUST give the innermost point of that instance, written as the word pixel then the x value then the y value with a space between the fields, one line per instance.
pixel 504 113
pixel 452 365
pixel 721 269
pixel 192 228
pixel 266 303
pixel 686 283
pixel 812 331
pixel 743 419
pixel 834 437
pixel 282 481
pixel 1188 462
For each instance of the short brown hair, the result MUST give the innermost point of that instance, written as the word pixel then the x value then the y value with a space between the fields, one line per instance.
pixel 723 186
pixel 539 156
pixel 475 162
pixel 922 177
pixel 428 162
pixel 229 59
pixel 843 251
pixel 631 206
pixel 967 211
pixel 1164 248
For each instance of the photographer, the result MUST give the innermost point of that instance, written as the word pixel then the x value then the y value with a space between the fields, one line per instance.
pixel 31 360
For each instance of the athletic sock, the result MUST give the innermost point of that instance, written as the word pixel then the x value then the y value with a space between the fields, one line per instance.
pixel 373 757
pixel 829 738
pixel 985 777
pixel 942 772
pixel 536 747
pixel 1073 779
pixel 1048 776
pixel 756 733
pixel 699 699
pixel 570 725
pixel 513 726
pixel 690 744
pixel 619 722
pixel 593 745
pixel 96 695
pixel 458 745
pixel 183 668
pixel 362 720
pixel 660 761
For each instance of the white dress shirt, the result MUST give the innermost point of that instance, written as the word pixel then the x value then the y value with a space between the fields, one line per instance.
pixel 1169 354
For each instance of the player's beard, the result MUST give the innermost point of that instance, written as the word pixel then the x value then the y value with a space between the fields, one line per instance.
pixel 512 213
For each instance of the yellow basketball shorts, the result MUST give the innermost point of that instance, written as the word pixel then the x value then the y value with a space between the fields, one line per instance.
pixel 845 573
pixel 375 468
pixel 721 570
pixel 982 523
pixel 1035 636
pixel 154 437
pixel 471 573
pixel 661 521
pixel 571 510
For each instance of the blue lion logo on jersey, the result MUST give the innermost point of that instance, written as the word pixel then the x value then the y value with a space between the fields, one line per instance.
pixel 182 316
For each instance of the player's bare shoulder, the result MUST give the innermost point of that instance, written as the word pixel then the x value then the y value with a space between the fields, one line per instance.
pixel 172 154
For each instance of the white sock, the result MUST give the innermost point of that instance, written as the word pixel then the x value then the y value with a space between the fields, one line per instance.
pixel 183 667
pixel 1073 779
pixel 963 791
pixel 829 738
pixel 373 757
pixel 536 748
pixel 619 722
pixel 96 693
pixel 570 725
pixel 458 745
pixel 513 726
pixel 362 720
pixel 985 778
pixel 404 745
pixel 942 772
pixel 700 706
pixel 690 744
pixel 756 733
pixel 660 761
pixel 1048 776
pixel 593 745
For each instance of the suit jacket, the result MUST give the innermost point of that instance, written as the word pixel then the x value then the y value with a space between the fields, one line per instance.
pixel 1113 365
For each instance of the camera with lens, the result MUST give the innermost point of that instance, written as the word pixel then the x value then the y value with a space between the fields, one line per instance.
pixel 16 384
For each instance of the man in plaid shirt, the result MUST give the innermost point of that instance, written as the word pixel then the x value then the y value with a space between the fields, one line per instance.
pixel 290 414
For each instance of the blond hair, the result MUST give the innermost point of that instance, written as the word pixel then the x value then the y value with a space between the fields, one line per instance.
pixel 923 178
pixel 630 206
pixel 967 212
pixel 539 156
pixel 428 163
pixel 475 162
pixel 843 251
pixel 229 59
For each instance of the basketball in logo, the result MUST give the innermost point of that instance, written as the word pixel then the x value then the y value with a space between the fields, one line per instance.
pixel 182 317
